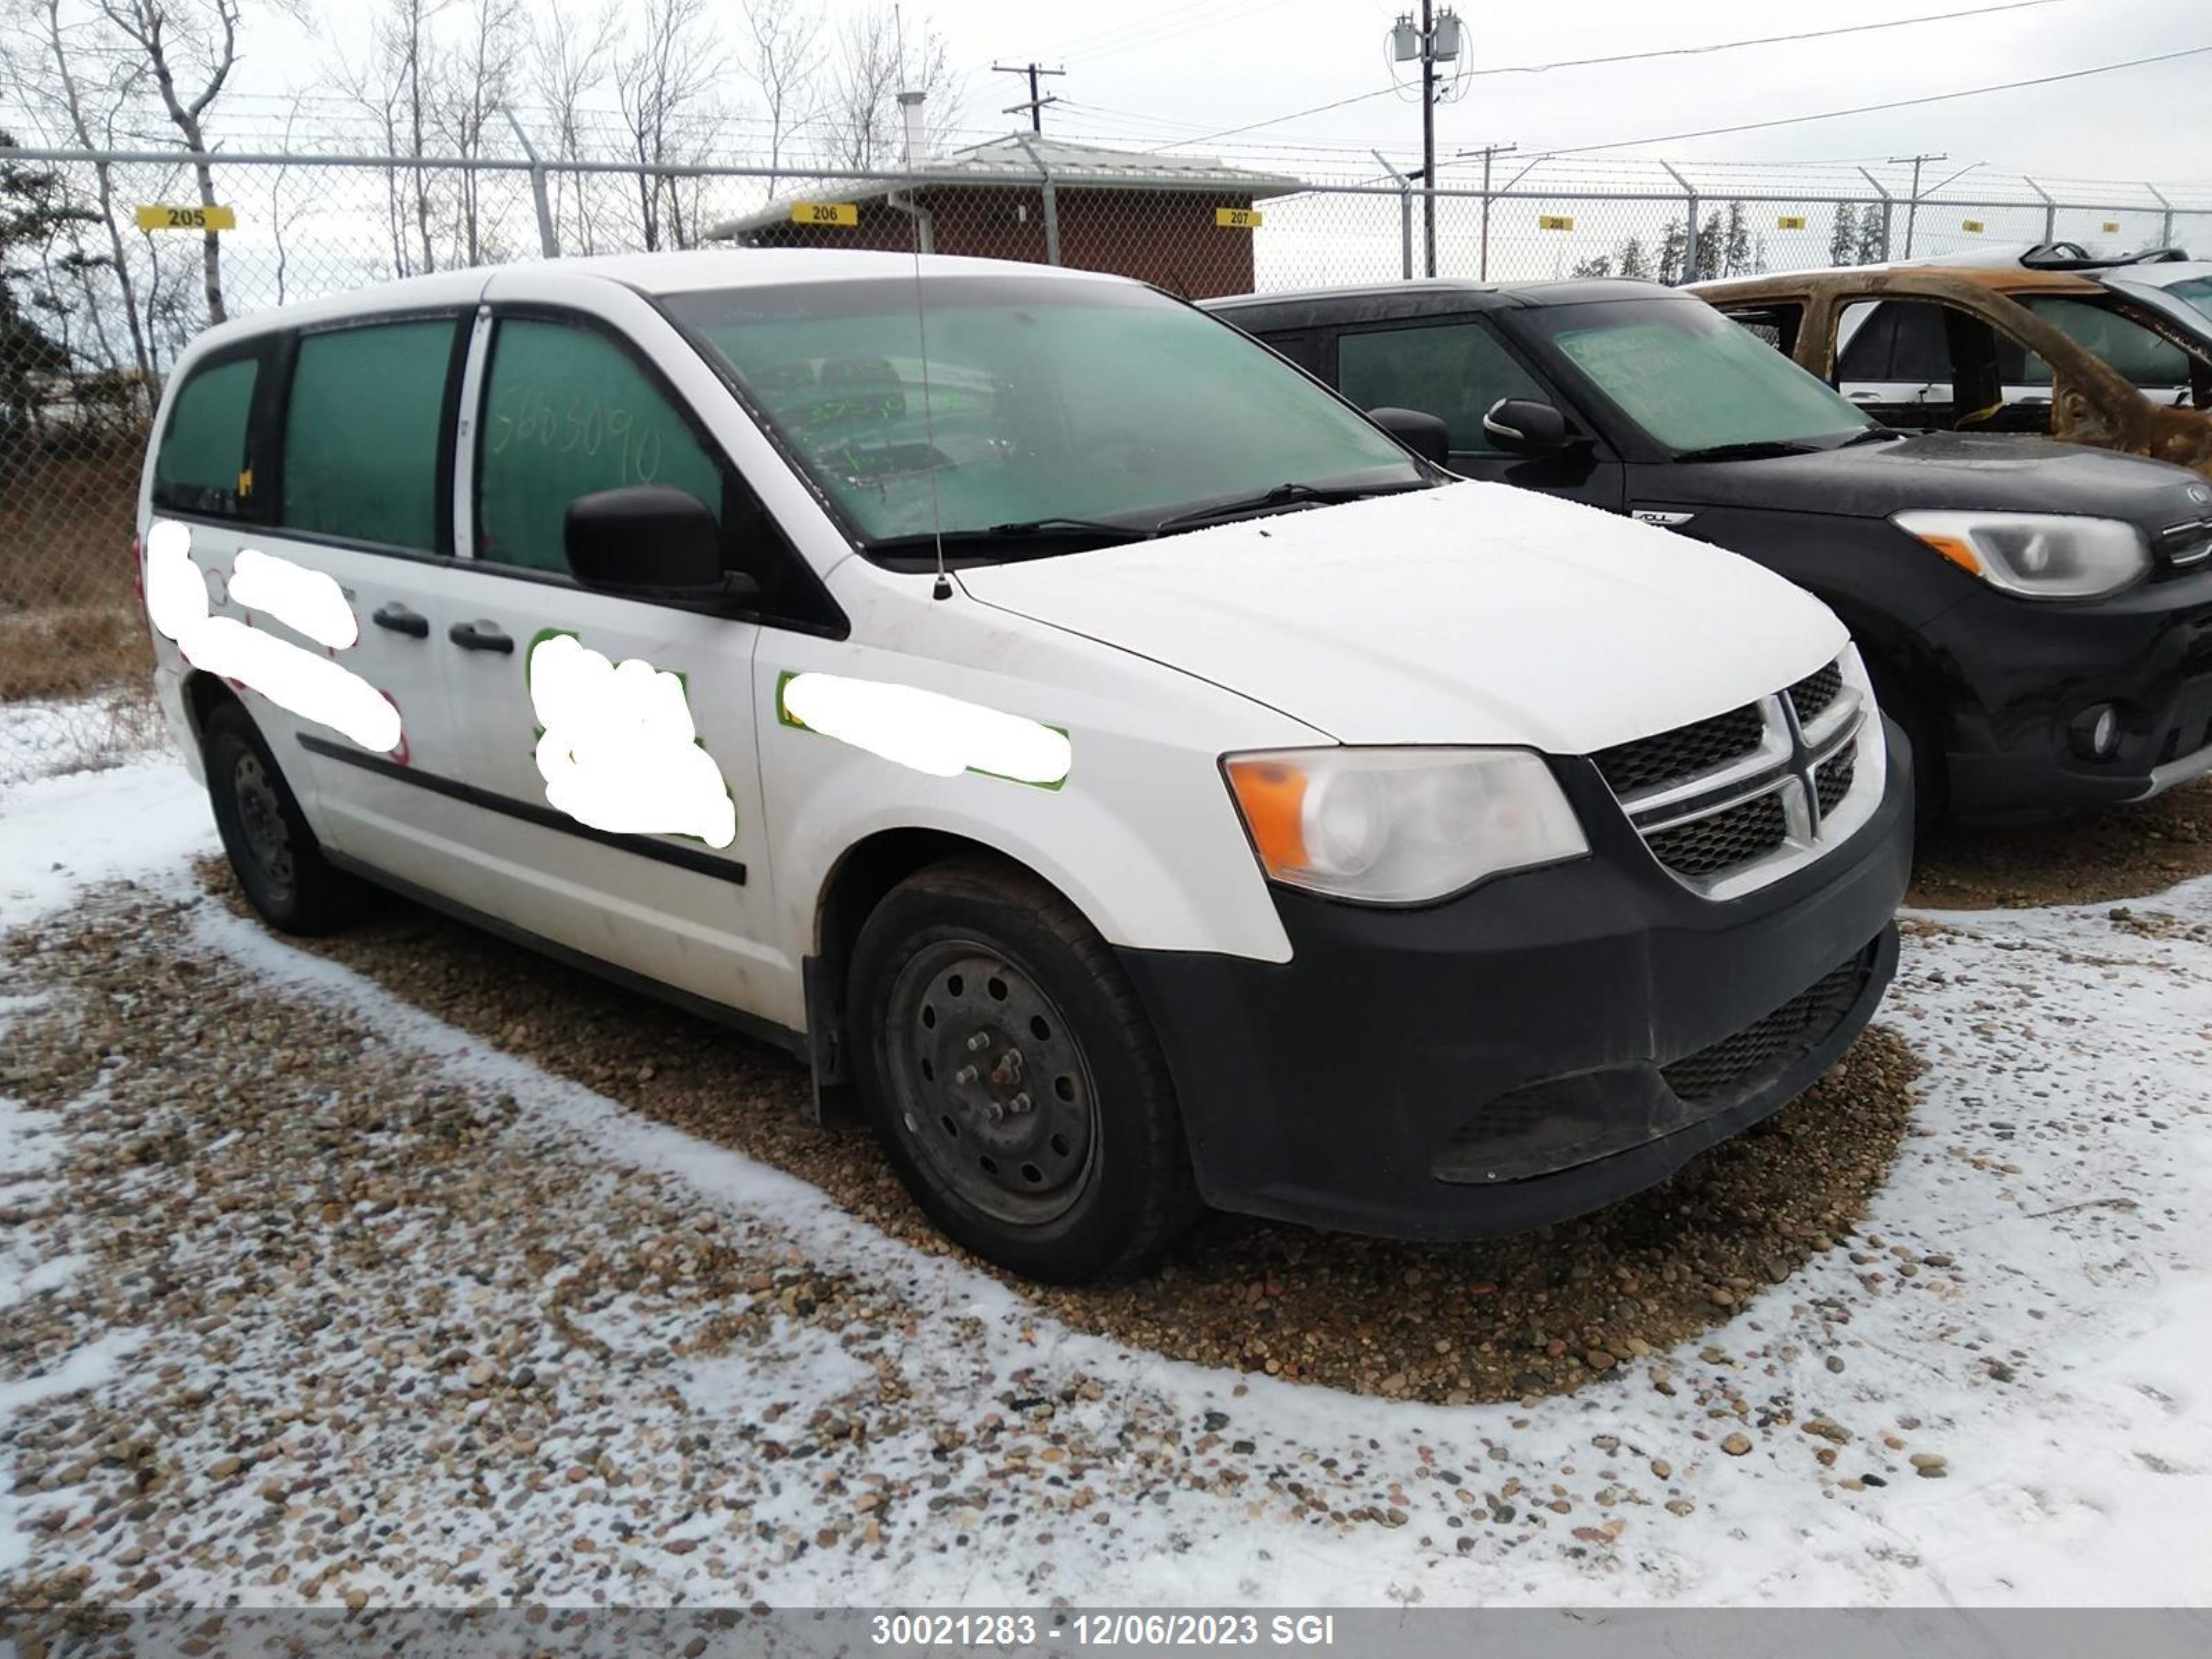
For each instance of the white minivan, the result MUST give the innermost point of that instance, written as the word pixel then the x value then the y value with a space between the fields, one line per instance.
pixel 1129 777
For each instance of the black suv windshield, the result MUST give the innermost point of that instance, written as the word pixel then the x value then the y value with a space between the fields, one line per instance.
pixel 1072 407
pixel 1691 379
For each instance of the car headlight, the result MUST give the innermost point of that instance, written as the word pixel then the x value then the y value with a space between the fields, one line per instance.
pixel 2037 555
pixel 1399 826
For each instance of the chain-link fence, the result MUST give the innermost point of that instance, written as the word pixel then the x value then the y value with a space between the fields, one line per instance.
pixel 105 276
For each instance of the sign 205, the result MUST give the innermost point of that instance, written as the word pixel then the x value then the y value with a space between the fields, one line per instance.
pixel 164 216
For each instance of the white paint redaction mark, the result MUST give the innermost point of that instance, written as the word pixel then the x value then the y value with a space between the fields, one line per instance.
pixel 309 602
pixel 620 751
pixel 926 730
pixel 293 677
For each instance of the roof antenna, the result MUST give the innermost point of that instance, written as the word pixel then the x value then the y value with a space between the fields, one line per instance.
pixel 910 110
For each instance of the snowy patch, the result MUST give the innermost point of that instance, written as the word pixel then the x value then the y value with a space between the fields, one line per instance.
pixel 60 835
pixel 620 751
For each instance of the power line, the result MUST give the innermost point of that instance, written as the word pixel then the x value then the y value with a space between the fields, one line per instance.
pixel 1637 56
pixel 1898 103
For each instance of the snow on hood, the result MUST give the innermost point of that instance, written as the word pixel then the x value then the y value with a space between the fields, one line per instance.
pixel 1474 613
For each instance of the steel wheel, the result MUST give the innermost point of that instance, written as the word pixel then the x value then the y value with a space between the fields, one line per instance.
pixel 261 816
pixel 990 1086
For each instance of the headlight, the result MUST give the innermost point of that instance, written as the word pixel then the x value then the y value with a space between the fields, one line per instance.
pixel 1398 826
pixel 2037 555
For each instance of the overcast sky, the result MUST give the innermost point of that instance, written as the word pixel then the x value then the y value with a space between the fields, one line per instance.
pixel 1146 72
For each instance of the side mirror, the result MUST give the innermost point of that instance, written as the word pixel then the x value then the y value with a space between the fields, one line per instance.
pixel 647 540
pixel 1522 427
pixel 1423 433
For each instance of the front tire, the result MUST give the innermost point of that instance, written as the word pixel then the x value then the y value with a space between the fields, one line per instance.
pixel 1013 1078
pixel 275 855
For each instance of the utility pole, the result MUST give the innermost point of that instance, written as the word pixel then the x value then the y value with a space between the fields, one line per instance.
pixel 1912 208
pixel 1037 103
pixel 1436 41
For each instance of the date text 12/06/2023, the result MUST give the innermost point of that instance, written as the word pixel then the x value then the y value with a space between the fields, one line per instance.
pixel 1140 1630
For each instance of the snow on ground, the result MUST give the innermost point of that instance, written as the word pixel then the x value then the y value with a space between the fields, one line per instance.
pixel 2030 1303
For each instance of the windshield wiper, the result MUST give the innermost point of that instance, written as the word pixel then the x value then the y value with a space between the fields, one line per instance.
pixel 1758 449
pixel 1005 540
pixel 1872 434
pixel 1282 496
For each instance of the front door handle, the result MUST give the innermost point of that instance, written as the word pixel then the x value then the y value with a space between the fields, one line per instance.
pixel 400 620
pixel 1866 396
pixel 480 635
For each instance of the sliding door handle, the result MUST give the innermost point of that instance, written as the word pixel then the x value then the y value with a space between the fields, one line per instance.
pixel 400 620
pixel 480 635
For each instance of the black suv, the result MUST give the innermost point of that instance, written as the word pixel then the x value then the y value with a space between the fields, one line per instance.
pixel 2037 617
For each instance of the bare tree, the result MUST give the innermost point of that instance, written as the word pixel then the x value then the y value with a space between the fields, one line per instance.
pixel 393 82
pixel 877 58
pixel 786 69
pixel 197 40
pixel 667 86
pixel 570 52
pixel 472 83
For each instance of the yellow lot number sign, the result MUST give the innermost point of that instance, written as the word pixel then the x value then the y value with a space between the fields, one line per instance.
pixel 1237 218
pixel 163 217
pixel 2111 227
pixel 1973 227
pixel 1555 221
pixel 825 213
pixel 1790 222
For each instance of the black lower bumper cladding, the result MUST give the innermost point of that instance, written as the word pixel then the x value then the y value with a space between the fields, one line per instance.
pixel 1532 1049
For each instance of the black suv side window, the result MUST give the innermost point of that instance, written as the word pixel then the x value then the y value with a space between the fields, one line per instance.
pixel 205 463
pixel 1456 371
pixel 362 431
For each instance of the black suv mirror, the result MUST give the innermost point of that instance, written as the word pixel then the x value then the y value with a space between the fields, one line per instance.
pixel 648 539
pixel 1523 427
pixel 1423 433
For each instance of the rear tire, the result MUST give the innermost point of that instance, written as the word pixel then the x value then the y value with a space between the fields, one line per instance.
pixel 275 857
pixel 1013 1078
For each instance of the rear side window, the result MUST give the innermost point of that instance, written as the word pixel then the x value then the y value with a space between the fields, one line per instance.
pixel 205 465
pixel 566 413
pixel 1872 344
pixel 362 433
pixel 1457 372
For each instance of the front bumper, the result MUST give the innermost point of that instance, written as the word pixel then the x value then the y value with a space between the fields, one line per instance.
pixel 1509 1058
pixel 2021 672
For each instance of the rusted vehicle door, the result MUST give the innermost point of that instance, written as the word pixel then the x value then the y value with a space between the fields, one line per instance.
pixel 2091 402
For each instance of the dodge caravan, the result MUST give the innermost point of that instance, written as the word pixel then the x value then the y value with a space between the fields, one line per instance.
pixel 1127 777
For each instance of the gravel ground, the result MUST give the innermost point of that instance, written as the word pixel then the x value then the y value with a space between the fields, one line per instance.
pixel 2126 853
pixel 1497 1320
pixel 311 1295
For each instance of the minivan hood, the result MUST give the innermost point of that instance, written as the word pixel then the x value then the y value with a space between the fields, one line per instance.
pixel 1472 613
pixel 1972 472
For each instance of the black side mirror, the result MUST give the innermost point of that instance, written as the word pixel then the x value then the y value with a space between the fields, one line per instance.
pixel 650 541
pixel 1522 427
pixel 1423 433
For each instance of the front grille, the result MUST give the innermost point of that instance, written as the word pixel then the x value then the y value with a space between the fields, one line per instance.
pixel 1631 768
pixel 1832 779
pixel 1735 835
pixel 1736 1065
pixel 1816 692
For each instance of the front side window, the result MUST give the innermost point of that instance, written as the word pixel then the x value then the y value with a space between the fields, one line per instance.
pixel 1691 379
pixel 1457 372
pixel 205 465
pixel 361 429
pixel 1036 399
pixel 2144 358
pixel 568 412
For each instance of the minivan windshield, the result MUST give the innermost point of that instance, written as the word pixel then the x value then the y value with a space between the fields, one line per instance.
pixel 1692 380
pixel 1095 409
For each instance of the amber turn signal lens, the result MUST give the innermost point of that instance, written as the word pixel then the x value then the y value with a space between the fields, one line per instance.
pixel 1272 797
pixel 1957 551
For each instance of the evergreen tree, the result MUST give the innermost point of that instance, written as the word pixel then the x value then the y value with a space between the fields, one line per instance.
pixel 1712 243
pixel 1736 252
pixel 1602 266
pixel 1673 248
pixel 1874 242
pixel 1635 263
pixel 33 212
pixel 1844 239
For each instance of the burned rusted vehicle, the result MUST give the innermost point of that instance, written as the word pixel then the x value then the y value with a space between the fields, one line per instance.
pixel 1992 348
